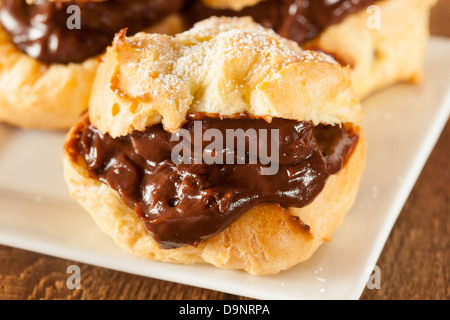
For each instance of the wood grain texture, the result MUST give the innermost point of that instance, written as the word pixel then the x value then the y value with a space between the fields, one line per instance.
pixel 414 263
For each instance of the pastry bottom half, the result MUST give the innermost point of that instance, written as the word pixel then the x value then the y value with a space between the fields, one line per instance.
pixel 265 240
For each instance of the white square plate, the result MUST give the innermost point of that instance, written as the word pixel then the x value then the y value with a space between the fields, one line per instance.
pixel 401 124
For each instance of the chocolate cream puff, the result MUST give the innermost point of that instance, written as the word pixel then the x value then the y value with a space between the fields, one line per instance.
pixel 383 41
pixel 48 52
pixel 222 76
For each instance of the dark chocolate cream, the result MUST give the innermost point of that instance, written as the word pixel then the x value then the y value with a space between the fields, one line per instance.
pixel 40 29
pixel 298 20
pixel 182 204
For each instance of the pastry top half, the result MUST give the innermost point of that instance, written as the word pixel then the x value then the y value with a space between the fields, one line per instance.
pixel 221 66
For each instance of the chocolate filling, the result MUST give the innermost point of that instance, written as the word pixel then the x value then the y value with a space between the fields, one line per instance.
pixel 40 29
pixel 185 203
pixel 298 20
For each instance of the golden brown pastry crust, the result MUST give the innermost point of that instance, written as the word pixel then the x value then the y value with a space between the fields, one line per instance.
pixel 37 95
pixel 49 96
pixel 222 66
pixel 265 240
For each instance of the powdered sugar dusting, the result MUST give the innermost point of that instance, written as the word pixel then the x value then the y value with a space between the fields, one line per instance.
pixel 214 67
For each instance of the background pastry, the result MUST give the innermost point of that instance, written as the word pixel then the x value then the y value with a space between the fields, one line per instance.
pixel 383 41
pixel 47 68
pixel 228 73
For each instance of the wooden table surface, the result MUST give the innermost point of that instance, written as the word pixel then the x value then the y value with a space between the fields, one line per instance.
pixel 414 263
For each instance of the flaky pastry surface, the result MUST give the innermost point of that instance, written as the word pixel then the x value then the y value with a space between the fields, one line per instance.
pixel 222 66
